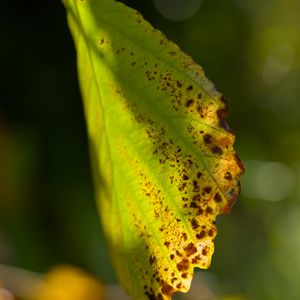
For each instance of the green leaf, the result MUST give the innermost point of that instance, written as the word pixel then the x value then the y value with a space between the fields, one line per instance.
pixel 162 152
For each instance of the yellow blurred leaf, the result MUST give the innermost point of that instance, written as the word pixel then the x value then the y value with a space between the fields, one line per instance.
pixel 69 283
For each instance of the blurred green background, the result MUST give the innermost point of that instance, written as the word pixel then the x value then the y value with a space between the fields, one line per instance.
pixel 250 49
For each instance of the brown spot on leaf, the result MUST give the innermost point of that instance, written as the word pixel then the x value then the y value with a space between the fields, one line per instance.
pixel 179 83
pixel 196 185
pixel 179 285
pixel 185 177
pixel 159 297
pixel 217 197
pixel 228 176
pixel 210 232
pixel 201 235
pixel 193 204
pixel 101 42
pixel 173 280
pixel 233 194
pixel 217 150
pixel 239 162
pixel 207 138
pixel 184 275
pixel 208 210
pixel 190 249
pixel 223 100
pixel 183 265
pixel 207 189
pixel 152 259
pixel 189 102
pixel 150 296
pixel 196 198
pixel 195 260
pixel 222 115
pixel 167 289
pixel 194 223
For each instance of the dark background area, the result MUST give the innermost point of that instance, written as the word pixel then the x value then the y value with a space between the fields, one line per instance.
pixel 249 49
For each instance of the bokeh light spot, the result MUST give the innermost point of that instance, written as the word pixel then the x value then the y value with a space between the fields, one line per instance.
pixel 5 294
pixel 177 10
pixel 271 181
pixel 278 63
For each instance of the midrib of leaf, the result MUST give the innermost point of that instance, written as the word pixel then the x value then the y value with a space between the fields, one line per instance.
pixel 115 206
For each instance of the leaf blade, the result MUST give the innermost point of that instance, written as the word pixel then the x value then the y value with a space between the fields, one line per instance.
pixel 164 161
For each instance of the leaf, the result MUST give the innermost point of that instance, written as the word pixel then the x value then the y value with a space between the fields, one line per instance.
pixel 69 283
pixel 162 154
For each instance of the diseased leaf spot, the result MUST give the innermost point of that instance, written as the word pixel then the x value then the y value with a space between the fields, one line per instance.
pixel 196 185
pixel 200 211
pixel 204 252
pixel 222 115
pixel 208 210
pixel 101 42
pixel 190 249
pixel 159 297
pixel 228 176
pixel 207 138
pixel 194 223
pixel 152 259
pixel 167 289
pixel 223 99
pixel 197 198
pixel 207 189
pixel 201 235
pixel 217 198
pixel 179 83
pixel 193 204
pixel 217 150
pixel 196 259
pixel 179 285
pixel 150 296
pixel 189 103
pixel 185 177
pixel 189 88
pixel 210 232
pixel 239 162
pixel 183 265
pixel 184 275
